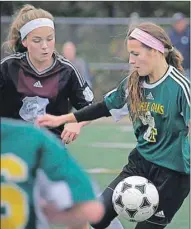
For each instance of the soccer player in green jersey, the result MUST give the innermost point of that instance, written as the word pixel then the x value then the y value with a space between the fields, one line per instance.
pixel 156 96
pixel 36 168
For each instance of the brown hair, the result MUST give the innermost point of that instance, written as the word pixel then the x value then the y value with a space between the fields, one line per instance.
pixel 21 17
pixel 173 57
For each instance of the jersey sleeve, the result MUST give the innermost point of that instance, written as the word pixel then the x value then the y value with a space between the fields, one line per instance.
pixel 184 102
pixel 3 74
pixel 116 101
pixel 81 94
pixel 59 165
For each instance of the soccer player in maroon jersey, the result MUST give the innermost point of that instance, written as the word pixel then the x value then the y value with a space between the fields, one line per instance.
pixel 35 79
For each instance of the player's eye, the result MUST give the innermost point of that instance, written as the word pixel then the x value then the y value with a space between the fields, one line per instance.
pixel 36 40
pixel 134 53
pixel 50 39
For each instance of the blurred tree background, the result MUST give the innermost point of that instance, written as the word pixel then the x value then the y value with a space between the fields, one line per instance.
pixel 103 8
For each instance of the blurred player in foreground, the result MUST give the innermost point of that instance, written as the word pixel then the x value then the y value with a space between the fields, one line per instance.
pixel 156 96
pixel 41 183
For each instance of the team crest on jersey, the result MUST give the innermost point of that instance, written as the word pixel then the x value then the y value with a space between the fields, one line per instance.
pixel 88 94
pixel 151 131
pixel 33 107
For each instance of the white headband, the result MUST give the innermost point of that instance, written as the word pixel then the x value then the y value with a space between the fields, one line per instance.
pixel 34 24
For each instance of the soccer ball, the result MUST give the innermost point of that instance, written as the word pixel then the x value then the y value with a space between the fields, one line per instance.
pixel 135 198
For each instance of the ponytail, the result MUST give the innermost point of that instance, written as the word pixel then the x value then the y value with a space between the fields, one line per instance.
pixel 175 58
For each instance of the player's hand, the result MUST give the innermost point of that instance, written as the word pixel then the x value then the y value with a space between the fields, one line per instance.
pixel 70 132
pixel 49 120
pixel 51 212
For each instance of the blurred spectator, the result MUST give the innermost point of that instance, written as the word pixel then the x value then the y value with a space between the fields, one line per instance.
pixel 180 37
pixel 69 52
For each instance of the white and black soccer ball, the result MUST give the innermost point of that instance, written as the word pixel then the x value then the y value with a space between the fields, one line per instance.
pixel 135 198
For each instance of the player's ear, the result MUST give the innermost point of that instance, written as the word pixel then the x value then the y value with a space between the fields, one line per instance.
pixel 24 43
pixel 155 52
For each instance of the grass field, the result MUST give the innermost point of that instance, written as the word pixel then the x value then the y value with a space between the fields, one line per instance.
pixel 107 145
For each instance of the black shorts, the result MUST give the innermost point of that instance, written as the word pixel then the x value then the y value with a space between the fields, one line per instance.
pixel 173 188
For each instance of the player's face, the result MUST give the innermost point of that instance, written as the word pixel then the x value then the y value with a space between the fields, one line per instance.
pixel 40 44
pixel 140 57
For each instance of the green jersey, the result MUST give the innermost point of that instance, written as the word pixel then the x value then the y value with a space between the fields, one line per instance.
pixel 162 132
pixel 31 161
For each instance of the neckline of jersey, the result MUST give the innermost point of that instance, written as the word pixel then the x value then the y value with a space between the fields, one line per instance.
pixel 44 71
pixel 147 85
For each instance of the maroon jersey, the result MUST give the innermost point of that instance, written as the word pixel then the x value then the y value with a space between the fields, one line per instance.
pixel 26 93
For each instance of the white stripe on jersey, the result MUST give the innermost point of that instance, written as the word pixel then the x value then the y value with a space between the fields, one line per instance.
pixel 115 89
pixel 179 73
pixel 183 79
pixel 13 56
pixel 183 83
pixel 67 62
pixel 110 92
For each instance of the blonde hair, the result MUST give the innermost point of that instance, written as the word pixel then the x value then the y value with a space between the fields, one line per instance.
pixel 21 17
pixel 173 57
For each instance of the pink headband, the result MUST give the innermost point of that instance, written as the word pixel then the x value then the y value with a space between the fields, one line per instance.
pixel 147 39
